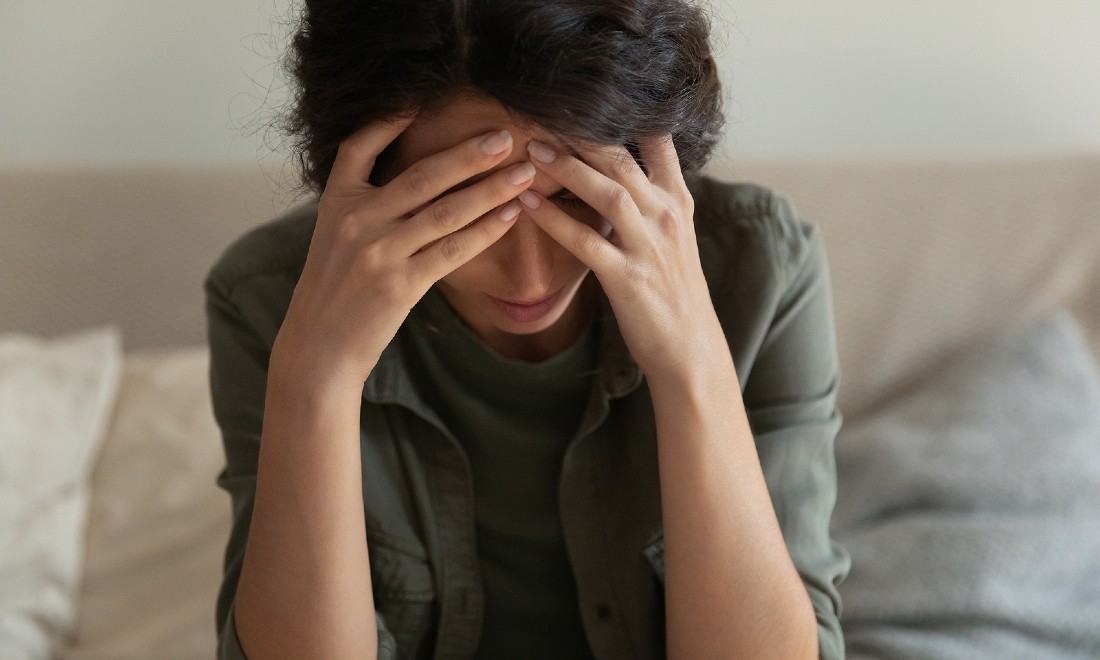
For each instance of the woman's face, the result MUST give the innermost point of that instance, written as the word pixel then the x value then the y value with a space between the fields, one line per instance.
pixel 525 265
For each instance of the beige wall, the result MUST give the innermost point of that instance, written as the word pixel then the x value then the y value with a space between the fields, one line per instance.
pixel 115 81
pixel 898 77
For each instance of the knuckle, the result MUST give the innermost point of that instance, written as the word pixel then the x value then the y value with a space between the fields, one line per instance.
pixel 416 181
pixel 618 199
pixel 371 257
pixel 346 228
pixel 390 285
pixel 680 196
pixel 451 248
pixel 668 223
pixel 445 214
pixel 688 204
pixel 588 242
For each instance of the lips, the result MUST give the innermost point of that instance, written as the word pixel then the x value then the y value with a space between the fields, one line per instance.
pixel 528 311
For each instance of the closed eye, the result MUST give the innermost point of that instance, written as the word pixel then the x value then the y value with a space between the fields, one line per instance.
pixel 567 198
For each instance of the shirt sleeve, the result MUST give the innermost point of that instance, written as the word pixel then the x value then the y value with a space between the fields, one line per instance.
pixel 238 383
pixel 791 402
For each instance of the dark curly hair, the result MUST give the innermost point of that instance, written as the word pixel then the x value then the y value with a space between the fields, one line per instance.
pixel 598 71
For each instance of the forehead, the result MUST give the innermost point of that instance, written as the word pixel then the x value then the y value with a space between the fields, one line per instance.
pixel 462 118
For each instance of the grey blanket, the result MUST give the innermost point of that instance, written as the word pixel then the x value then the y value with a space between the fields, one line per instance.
pixel 971 507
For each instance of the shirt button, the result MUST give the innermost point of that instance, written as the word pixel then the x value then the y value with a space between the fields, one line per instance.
pixel 603 612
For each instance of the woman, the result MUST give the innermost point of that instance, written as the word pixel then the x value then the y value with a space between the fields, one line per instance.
pixel 520 382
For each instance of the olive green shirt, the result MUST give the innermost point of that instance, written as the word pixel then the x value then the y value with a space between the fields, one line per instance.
pixel 767 272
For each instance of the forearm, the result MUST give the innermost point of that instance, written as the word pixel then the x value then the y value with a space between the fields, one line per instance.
pixel 305 586
pixel 731 589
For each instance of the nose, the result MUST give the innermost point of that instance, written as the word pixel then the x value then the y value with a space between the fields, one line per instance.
pixel 527 259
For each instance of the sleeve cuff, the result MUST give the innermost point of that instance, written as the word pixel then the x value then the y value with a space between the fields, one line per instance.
pixel 229 646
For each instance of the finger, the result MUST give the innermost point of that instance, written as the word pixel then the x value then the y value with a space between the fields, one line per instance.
pixel 617 164
pixel 431 177
pixel 356 155
pixel 582 241
pixel 458 209
pixel 660 157
pixel 608 197
pixel 457 248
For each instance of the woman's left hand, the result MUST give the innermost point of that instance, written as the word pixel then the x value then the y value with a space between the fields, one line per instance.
pixel 649 264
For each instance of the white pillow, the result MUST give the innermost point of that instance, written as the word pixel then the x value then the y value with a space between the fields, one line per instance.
pixel 56 397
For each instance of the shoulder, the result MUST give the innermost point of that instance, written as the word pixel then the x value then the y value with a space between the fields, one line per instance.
pixel 251 282
pixel 741 221
pixel 276 246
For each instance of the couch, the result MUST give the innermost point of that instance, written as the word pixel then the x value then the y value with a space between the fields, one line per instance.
pixel 967 299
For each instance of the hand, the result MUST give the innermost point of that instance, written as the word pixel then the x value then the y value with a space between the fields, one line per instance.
pixel 648 265
pixel 376 250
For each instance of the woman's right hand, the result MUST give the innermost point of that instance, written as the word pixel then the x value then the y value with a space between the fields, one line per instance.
pixel 376 250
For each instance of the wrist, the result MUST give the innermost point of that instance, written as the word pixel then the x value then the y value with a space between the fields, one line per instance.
pixel 695 383
pixel 301 380
pixel 297 357
pixel 703 356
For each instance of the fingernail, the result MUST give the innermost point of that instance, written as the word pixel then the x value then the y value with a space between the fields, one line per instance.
pixel 529 200
pixel 496 142
pixel 541 152
pixel 521 173
pixel 509 211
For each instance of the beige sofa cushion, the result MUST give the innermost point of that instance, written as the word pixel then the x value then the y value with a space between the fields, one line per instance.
pixel 123 245
pixel 929 256
pixel 158 523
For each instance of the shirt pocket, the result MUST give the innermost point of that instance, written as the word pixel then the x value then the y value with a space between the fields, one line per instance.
pixel 404 594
